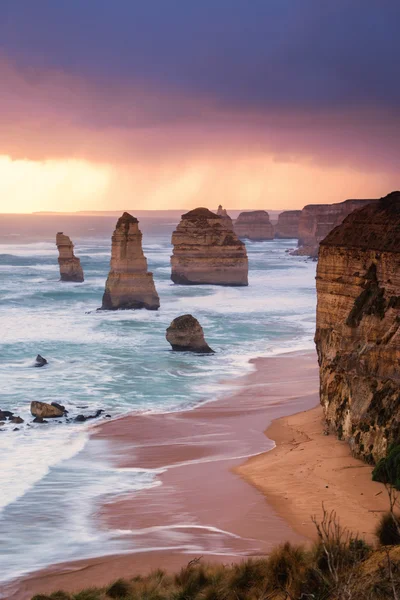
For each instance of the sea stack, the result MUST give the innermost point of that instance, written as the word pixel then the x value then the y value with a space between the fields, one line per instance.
pixel 185 334
pixel 287 226
pixel 129 284
pixel 221 212
pixel 206 251
pixel 358 328
pixel 70 265
pixel 254 226
pixel 317 220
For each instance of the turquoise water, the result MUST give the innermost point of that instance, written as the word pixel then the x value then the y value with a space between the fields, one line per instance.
pixel 119 362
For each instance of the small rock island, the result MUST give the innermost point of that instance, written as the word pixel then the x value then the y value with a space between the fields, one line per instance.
pixel 358 328
pixel 186 334
pixel 70 265
pixel 205 251
pixel 129 284
pixel 254 226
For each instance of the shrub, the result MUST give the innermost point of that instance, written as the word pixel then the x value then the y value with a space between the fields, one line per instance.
pixel 120 589
pixel 88 594
pixel 286 567
pixel 388 530
pixel 387 469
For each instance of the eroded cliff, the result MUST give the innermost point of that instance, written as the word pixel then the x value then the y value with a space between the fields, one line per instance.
pixel 358 327
pixel 222 212
pixel 287 226
pixel 129 284
pixel 254 225
pixel 70 265
pixel 205 250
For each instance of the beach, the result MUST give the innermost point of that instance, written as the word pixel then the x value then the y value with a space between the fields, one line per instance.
pixel 207 457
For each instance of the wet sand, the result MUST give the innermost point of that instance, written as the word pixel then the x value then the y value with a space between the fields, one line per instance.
pixel 202 506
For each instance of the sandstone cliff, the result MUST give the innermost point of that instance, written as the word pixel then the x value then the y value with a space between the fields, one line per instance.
pixel 70 265
pixel 207 251
pixel 129 284
pixel 186 334
pixel 254 225
pixel 221 212
pixel 317 220
pixel 287 226
pixel 358 327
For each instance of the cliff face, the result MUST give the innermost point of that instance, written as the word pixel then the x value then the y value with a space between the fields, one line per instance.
pixel 70 265
pixel 207 251
pixel 129 284
pixel 317 220
pixel 254 225
pixel 221 212
pixel 287 226
pixel 358 327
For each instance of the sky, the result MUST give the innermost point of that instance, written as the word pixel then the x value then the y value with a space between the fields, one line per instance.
pixel 109 104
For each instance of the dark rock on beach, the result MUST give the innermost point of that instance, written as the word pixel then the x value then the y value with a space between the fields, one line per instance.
pixel 16 420
pixel 6 414
pixel 44 410
pixel 39 420
pixel 60 407
pixel 83 418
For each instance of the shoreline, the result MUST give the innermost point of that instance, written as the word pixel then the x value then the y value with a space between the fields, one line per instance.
pixel 200 453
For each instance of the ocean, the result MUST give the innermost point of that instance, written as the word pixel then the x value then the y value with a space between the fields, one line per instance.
pixel 50 480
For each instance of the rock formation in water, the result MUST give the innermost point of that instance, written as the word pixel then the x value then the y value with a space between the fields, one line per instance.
pixel 40 361
pixel 221 212
pixel 254 225
pixel 287 226
pixel 207 251
pixel 317 220
pixel 70 265
pixel 129 284
pixel 42 410
pixel 358 327
pixel 186 334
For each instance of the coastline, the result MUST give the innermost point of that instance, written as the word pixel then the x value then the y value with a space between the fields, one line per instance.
pixel 204 505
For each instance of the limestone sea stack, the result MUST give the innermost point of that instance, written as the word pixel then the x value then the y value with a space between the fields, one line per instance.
pixel 254 225
pixel 221 212
pixel 70 265
pixel 186 334
pixel 129 284
pixel 317 220
pixel 287 226
pixel 206 251
pixel 358 328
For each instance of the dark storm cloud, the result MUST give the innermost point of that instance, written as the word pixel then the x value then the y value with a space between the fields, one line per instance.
pixel 311 55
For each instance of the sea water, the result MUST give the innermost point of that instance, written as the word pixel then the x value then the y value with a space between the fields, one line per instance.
pixel 50 481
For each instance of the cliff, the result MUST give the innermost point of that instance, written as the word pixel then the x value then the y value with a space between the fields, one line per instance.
pixel 254 225
pixel 70 265
pixel 287 226
pixel 221 212
pixel 129 284
pixel 205 250
pixel 358 327
pixel 317 220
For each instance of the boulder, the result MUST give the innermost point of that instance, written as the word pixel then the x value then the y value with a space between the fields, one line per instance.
pixel 39 420
pixel 45 411
pixel 82 418
pixel 254 225
pixel 40 361
pixel 60 407
pixel 16 420
pixel 129 284
pixel 186 334
pixel 5 414
pixel 206 251
pixel 70 265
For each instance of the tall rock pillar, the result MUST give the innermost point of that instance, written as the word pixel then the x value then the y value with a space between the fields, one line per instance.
pixel 70 265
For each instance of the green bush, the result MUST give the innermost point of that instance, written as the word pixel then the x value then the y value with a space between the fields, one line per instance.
pixel 119 590
pixel 388 530
pixel 387 469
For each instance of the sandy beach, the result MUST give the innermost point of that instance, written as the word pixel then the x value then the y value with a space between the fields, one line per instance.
pixel 204 505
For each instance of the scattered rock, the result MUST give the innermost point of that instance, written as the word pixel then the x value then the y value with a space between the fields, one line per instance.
pixel 82 418
pixel 129 284
pixel 70 265
pixel 39 420
pixel 60 407
pixel 186 334
pixel 16 420
pixel 6 414
pixel 16 429
pixel 40 361
pixel 44 410
pixel 2 423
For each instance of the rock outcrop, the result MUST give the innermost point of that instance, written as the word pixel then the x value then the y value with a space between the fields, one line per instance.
pixel 207 251
pixel 40 361
pixel 186 334
pixel 221 212
pixel 254 225
pixel 42 410
pixel 70 265
pixel 317 220
pixel 287 226
pixel 358 327
pixel 129 284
